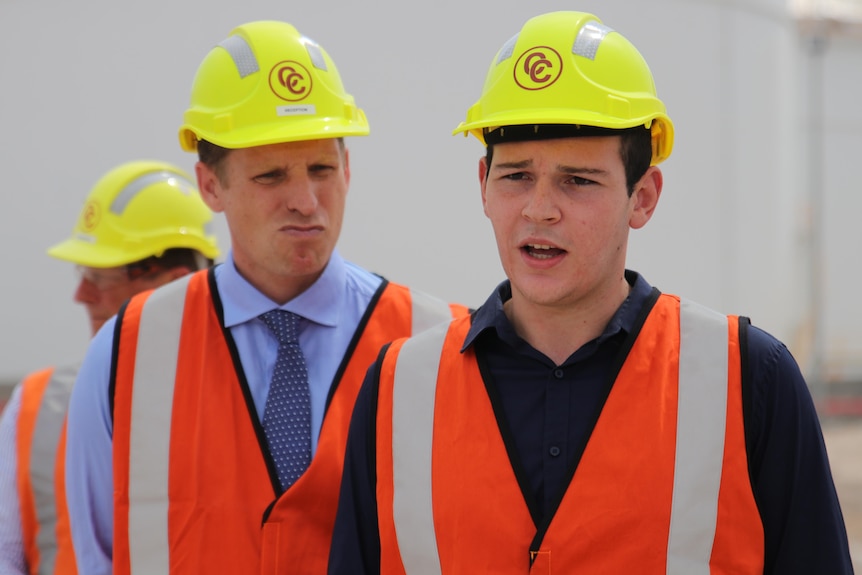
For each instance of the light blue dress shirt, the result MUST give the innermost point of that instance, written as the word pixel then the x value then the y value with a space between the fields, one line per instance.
pixel 331 310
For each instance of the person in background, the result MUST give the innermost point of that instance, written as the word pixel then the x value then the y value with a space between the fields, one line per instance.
pixel 208 424
pixel 142 225
pixel 582 421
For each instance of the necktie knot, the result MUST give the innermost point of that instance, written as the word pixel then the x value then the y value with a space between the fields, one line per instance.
pixel 283 324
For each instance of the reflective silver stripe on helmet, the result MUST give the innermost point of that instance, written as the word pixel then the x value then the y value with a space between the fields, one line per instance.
pixel 127 194
pixel 314 52
pixel 44 451
pixel 507 49
pixel 243 57
pixel 588 39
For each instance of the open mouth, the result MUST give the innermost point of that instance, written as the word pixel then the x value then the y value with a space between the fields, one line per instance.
pixel 542 251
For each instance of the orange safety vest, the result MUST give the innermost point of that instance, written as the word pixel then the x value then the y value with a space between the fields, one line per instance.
pixel 192 483
pixel 41 445
pixel 661 487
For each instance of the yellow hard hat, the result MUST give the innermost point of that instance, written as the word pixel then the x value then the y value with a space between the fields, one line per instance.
pixel 137 210
pixel 267 84
pixel 569 68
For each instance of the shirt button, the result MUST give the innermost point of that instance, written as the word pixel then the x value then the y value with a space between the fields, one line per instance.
pixel 558 373
pixel 554 451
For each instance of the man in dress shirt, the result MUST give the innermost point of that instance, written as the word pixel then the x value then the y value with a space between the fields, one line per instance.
pixel 170 466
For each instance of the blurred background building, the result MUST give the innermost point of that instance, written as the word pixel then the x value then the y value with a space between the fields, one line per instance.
pixel 759 215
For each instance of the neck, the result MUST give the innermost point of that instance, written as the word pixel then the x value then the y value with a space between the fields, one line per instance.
pixel 559 330
pixel 280 288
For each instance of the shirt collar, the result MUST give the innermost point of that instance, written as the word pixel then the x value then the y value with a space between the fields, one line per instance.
pixel 490 315
pixel 319 303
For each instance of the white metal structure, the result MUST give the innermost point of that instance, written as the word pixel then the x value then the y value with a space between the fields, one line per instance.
pixel 758 215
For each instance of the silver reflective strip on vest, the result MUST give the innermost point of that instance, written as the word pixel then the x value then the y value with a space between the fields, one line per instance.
pixel 43 458
pixel 702 407
pixel 133 188
pixel 428 311
pixel 152 405
pixel 701 422
pixel 242 55
pixel 414 387
pixel 589 38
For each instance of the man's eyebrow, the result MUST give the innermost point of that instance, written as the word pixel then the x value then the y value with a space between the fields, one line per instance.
pixel 272 171
pixel 520 165
pixel 514 165
pixel 581 170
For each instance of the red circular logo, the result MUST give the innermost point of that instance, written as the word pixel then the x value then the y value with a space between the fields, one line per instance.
pixel 90 216
pixel 290 81
pixel 538 68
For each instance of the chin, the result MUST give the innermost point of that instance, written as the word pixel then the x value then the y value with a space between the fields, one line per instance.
pixel 540 293
pixel 96 325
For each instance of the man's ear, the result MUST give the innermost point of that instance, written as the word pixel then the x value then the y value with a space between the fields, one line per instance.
pixel 483 180
pixel 209 186
pixel 645 197
pixel 347 168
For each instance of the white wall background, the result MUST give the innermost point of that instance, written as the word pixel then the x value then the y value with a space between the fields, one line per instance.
pixel 87 85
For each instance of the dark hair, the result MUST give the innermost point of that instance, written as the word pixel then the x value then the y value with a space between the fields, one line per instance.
pixel 635 143
pixel 212 156
pixel 171 258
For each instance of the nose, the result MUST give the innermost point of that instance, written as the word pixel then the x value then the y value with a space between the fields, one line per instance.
pixel 541 204
pixel 86 292
pixel 302 196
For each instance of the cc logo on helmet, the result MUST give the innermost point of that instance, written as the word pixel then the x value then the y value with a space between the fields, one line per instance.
pixel 290 81
pixel 90 216
pixel 538 68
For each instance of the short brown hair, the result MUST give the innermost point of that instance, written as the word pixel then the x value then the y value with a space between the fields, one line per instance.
pixel 635 143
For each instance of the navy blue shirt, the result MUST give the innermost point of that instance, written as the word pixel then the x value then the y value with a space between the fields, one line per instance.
pixel 548 412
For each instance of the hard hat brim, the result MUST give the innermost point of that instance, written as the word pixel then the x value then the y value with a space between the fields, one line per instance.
pixel 295 131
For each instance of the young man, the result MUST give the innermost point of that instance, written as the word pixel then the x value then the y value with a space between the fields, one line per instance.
pixel 142 225
pixel 194 420
pixel 580 420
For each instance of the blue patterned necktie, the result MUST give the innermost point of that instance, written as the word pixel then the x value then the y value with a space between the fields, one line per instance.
pixel 287 414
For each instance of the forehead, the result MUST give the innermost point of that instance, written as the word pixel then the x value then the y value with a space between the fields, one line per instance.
pixel 566 151
pixel 87 270
pixel 286 151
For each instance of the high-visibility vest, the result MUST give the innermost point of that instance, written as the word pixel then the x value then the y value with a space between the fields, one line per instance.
pixel 662 485
pixel 41 446
pixel 193 486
